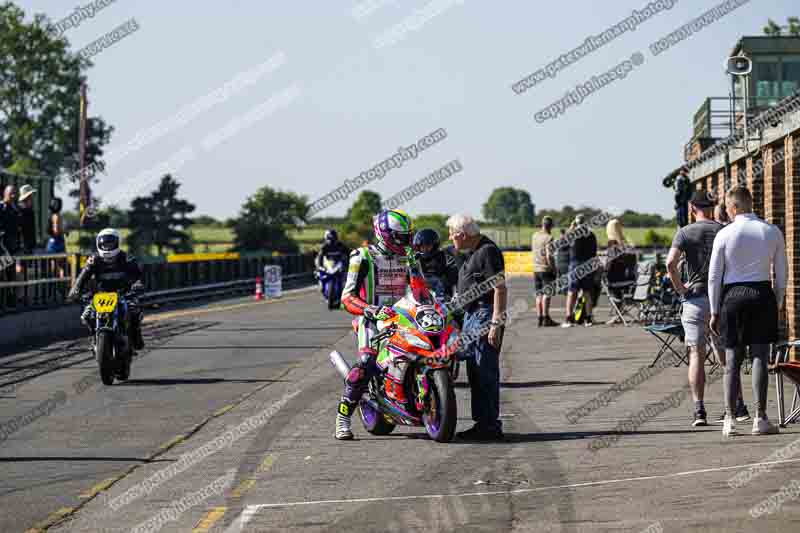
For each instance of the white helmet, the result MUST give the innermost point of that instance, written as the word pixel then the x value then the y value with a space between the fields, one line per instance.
pixel 108 244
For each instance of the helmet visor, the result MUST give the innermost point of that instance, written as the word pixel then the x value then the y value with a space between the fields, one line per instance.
pixel 401 238
pixel 107 243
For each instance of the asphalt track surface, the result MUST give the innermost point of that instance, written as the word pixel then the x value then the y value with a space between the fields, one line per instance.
pixel 208 370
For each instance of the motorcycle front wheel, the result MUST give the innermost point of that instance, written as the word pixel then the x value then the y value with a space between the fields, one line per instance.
pixel 440 417
pixel 105 357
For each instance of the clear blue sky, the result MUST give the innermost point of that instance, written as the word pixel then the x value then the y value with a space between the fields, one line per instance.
pixel 358 104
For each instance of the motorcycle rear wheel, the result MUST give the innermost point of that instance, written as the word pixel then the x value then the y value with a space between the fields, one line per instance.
pixel 441 416
pixel 374 421
pixel 105 357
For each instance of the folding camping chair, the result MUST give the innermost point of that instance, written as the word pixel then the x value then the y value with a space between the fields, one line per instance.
pixel 620 282
pixel 667 334
pixel 791 369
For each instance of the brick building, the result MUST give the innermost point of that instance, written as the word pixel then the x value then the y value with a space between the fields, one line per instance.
pixel 767 161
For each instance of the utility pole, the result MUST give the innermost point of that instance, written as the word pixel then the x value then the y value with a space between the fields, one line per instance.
pixel 84 192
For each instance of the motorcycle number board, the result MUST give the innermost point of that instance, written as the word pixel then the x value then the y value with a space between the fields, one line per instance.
pixel 104 302
pixel 429 320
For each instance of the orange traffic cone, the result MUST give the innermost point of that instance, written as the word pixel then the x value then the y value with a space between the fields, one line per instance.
pixel 259 289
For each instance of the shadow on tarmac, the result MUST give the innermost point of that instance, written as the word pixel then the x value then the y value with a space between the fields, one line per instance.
pixel 193 381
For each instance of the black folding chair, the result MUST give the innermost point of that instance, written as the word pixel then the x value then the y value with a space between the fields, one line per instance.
pixel 619 283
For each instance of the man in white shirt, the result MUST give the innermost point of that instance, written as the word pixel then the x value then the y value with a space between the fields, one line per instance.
pixel 744 308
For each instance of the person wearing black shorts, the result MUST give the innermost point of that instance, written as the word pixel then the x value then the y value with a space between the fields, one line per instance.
pixel 544 274
pixel 744 307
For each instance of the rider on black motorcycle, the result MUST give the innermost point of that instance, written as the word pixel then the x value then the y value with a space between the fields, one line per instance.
pixel 376 278
pixel 439 266
pixel 333 249
pixel 114 270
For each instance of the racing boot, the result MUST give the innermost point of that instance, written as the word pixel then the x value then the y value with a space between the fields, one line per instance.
pixel 136 328
pixel 343 419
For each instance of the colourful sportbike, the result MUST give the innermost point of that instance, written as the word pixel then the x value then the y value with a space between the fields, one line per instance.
pixel 422 334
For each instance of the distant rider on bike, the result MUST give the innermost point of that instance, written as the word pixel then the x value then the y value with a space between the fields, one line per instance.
pixel 333 249
pixel 114 270
pixel 376 278
pixel 439 266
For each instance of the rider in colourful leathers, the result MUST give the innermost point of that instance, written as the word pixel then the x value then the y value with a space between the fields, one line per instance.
pixel 376 278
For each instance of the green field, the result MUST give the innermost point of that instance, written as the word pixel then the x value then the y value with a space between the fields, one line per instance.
pixel 215 239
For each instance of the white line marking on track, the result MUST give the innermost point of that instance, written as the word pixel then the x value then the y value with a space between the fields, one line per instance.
pixel 250 510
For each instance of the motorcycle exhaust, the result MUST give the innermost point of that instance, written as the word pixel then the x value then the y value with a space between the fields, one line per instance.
pixel 340 364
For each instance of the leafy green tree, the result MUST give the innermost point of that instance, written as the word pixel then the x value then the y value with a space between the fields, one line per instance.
pixel 509 206
pixel 358 227
pixel 205 220
pixel 794 26
pixel 40 81
pixel 160 220
pixel 772 28
pixel 776 30
pixel 265 219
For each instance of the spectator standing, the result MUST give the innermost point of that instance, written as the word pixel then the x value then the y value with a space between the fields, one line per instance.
pixel 544 273
pixel 744 307
pixel 56 243
pixel 10 218
pixel 483 273
pixel 695 242
pixel 581 252
pixel 682 194
pixel 9 228
pixel 27 221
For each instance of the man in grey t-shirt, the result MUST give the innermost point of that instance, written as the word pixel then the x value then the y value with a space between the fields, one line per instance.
pixel 695 243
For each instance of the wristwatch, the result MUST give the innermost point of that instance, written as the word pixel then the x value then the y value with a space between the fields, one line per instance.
pixel 495 323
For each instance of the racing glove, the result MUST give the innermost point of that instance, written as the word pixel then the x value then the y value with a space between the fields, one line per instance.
pixel 375 313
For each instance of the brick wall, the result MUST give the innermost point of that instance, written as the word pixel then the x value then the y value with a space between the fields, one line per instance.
pixel 792 224
pixel 774 205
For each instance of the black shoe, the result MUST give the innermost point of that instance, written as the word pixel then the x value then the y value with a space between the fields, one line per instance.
pixel 138 341
pixel 541 321
pixel 469 434
pixel 741 413
pixel 550 323
pixel 699 419
pixel 476 433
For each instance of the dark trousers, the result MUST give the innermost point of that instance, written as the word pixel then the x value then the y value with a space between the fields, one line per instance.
pixel 682 214
pixel 483 372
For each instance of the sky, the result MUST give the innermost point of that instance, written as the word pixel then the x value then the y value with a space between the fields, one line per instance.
pixel 338 103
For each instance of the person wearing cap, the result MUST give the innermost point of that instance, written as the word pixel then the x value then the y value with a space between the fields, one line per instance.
pixel 27 221
pixel 694 242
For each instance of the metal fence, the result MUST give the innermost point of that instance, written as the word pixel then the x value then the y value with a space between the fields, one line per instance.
pixel 42 281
